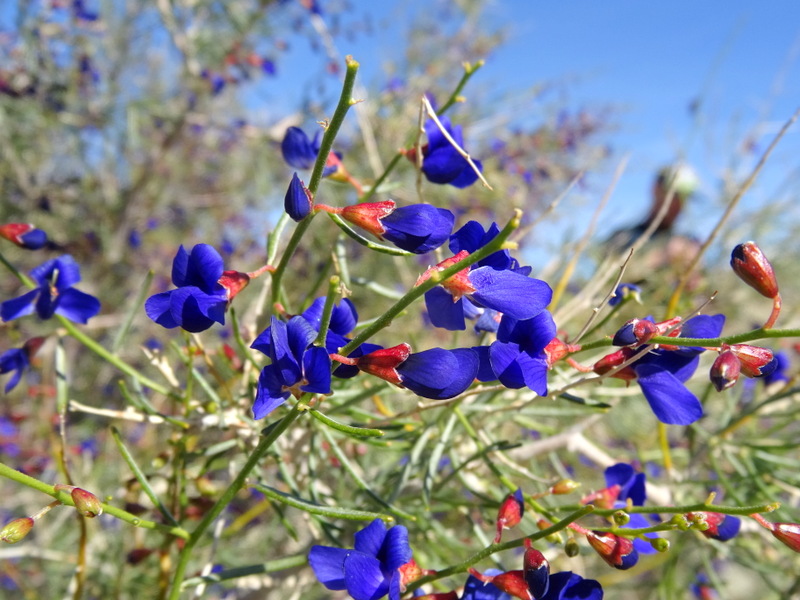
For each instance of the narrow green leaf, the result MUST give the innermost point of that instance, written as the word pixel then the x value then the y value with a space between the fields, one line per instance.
pixel 133 310
pixel 334 512
pixel 346 429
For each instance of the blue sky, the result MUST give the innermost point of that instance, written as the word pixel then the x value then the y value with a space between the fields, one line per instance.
pixel 650 61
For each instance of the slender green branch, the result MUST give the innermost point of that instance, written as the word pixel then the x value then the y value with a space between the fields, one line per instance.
pixel 64 498
pixel 282 564
pixel 258 453
pixel 334 290
pixel 686 508
pixel 494 548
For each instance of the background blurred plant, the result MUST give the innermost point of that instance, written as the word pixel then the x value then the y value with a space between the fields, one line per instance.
pixel 128 129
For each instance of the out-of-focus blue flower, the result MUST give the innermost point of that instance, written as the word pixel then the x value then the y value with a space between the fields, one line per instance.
pixel 623 291
pixel 782 365
pixel 17 360
pixel 55 294
pixel 200 300
pixel 24 235
pixel 296 366
pixel 300 151
pixel 372 569
pixel 441 162
pixel 81 13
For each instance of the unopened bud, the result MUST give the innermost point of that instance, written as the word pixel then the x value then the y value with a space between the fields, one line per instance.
pixel 368 215
pixel 511 582
pixel 510 513
pixel 619 552
pixel 298 201
pixel 659 544
pixel 635 332
pixel 725 370
pixel 752 267
pixel 86 503
pixel 614 360
pixel 572 548
pixel 233 282
pixel 754 361
pixel 621 518
pixel 24 235
pixel 383 363
pixel 681 522
pixel 716 526
pixel 15 530
pixel 535 570
pixel 564 486
pixel 788 534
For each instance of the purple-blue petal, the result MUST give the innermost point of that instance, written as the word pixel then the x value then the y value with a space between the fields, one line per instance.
pixel 510 293
pixel 370 539
pixel 475 589
pixel 19 307
pixel 418 228
pixel 472 236
pixel 485 371
pixel 317 371
pixel 395 551
pixel 194 310
pixel 328 566
pixel 33 239
pixel 670 400
pixel 269 392
pixel 468 175
pixel 297 202
pixel 532 334
pixel 439 373
pixel 442 311
pixel 204 268
pixel 568 586
pixel 701 326
pixel 77 306
pixel 297 149
pixel 364 577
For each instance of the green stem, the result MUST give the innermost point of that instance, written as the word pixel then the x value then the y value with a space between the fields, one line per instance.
pixel 489 550
pixel 687 508
pixel 334 289
pixel 386 318
pixel 345 102
pixel 228 495
pixel 64 498
pixel 290 562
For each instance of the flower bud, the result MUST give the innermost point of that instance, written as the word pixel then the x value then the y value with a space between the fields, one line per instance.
pixel 725 370
pixel 612 361
pixel 752 267
pixel 553 538
pixel 621 518
pixel 24 235
pixel 753 360
pixel 659 544
pixel 788 534
pixel 635 332
pixel 15 530
pixel 233 282
pixel 716 526
pixel 536 570
pixel 619 552
pixel 572 548
pixel 681 522
pixel 510 513
pixel 383 363
pixel 564 486
pixel 368 215
pixel 511 582
pixel 86 503
pixel 557 349
pixel 298 202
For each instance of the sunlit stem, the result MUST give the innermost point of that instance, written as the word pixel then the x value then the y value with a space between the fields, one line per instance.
pixel 776 310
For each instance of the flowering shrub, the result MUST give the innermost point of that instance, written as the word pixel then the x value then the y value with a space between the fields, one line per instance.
pixel 393 361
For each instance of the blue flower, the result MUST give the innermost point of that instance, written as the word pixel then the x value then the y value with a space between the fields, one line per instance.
pixel 297 202
pixel 624 291
pixel 297 366
pixel 441 162
pixel 200 300
pixel 372 569
pixel 300 151
pixel 17 360
pixel 472 236
pixel 781 367
pixel 631 486
pixel 24 235
pixel 55 294
pixel 566 585
pixel 417 228
pixel 517 357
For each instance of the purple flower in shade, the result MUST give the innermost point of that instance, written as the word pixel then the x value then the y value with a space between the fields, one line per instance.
pixel 54 294
pixel 24 235
pixel 417 228
pixel 201 299
pixel 372 569
pixel 436 373
pixel 509 291
pixel 662 373
pixel 17 360
pixel 566 585
pixel 517 358
pixel 297 366
pixel 298 150
pixel 441 162
pixel 475 589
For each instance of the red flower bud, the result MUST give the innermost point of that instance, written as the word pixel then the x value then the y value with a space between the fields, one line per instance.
pixel 788 533
pixel 716 526
pixel 86 503
pixel 604 498
pixel 635 332
pixel 368 215
pixel 536 570
pixel 752 267
pixel 510 513
pixel 15 530
pixel 725 370
pixel 753 360
pixel 383 363
pixel 612 361
pixel 24 235
pixel 556 350
pixel 511 582
pixel 459 284
pixel 617 551
pixel 564 486
pixel 233 282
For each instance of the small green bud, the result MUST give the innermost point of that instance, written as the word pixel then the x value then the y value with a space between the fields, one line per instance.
pixel 86 503
pixel 572 548
pixel 620 518
pixel 15 530
pixel 681 522
pixel 564 486
pixel 659 544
